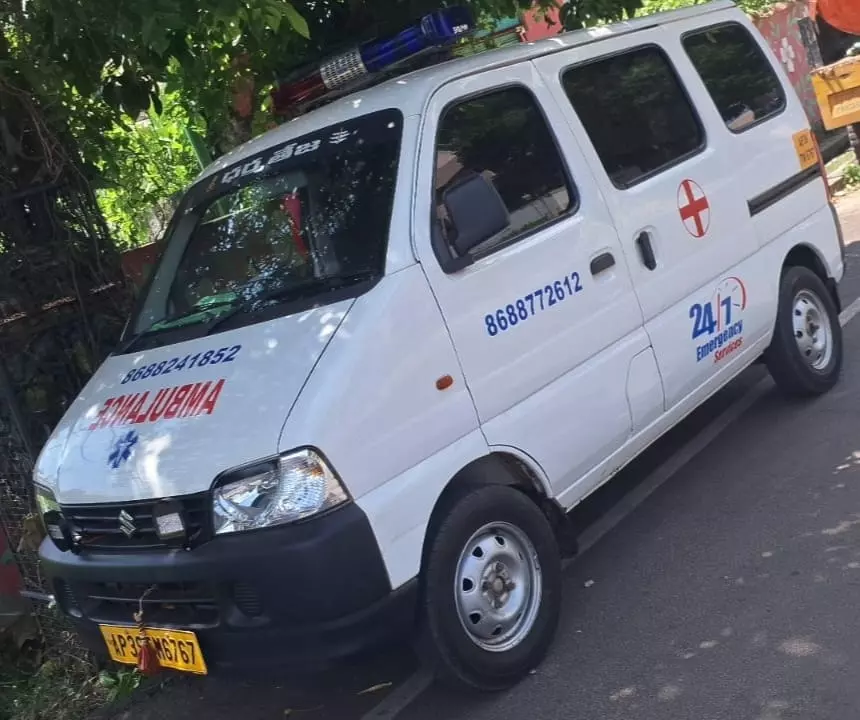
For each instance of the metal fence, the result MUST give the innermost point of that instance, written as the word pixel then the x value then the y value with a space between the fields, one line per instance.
pixel 62 304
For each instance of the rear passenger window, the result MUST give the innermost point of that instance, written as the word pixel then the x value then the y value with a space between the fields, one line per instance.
pixel 635 112
pixel 738 76
pixel 504 137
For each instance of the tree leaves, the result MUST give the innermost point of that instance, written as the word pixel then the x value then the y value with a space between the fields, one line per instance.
pixel 157 105
pixel 86 44
pixel 150 164
pixel 577 14
pixel 135 94
pixel 297 22
pixel 750 6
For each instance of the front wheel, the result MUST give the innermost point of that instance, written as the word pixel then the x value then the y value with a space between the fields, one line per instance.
pixel 492 589
pixel 805 355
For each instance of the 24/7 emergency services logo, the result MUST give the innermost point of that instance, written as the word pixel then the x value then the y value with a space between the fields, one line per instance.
pixel 720 320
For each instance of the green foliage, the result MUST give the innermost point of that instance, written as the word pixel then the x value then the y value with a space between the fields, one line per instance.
pixel 576 14
pixel 150 163
pixel 105 60
pixel 63 688
pixel 851 175
pixel 99 70
pixel 119 684
pixel 750 6
pixel 120 52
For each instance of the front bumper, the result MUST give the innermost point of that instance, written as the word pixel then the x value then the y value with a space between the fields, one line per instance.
pixel 305 593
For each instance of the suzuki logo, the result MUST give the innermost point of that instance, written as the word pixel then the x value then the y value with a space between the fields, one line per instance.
pixel 126 524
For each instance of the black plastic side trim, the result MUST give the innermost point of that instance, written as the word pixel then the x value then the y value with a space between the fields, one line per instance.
pixel 770 197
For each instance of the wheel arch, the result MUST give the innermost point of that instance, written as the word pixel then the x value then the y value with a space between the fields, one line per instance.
pixel 509 467
pixel 803 255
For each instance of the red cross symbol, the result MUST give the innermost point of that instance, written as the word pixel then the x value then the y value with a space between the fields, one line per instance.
pixel 694 208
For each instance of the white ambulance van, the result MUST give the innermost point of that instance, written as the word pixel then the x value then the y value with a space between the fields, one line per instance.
pixel 390 344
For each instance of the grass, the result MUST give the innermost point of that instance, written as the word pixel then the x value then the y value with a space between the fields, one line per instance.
pixel 65 687
pixel 851 175
pixel 846 167
pixel 839 163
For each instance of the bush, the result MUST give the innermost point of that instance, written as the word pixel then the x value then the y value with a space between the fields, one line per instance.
pixel 851 175
pixel 65 687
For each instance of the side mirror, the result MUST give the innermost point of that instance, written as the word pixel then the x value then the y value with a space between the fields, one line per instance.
pixel 476 212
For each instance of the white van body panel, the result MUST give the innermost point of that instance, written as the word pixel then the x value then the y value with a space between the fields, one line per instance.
pixel 684 264
pixel 399 510
pixel 372 405
pixel 765 268
pixel 644 389
pixel 180 455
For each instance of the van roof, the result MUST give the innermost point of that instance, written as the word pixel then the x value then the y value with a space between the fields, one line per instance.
pixel 410 92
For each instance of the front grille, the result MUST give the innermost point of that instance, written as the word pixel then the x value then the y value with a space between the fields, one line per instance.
pixel 187 604
pixel 247 599
pixel 99 527
pixel 66 598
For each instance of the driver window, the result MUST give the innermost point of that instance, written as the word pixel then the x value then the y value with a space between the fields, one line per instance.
pixel 503 136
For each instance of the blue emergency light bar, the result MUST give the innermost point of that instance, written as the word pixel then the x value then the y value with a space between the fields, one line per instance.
pixel 437 29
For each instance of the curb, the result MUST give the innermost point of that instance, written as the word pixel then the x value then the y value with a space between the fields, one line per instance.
pixel 836 184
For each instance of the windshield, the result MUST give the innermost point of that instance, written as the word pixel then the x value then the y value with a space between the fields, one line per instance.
pixel 297 220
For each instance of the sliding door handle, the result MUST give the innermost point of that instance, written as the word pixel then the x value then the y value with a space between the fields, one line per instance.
pixel 602 263
pixel 646 252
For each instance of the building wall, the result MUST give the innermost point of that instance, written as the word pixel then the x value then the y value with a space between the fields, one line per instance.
pixel 138 262
pixel 790 33
pixel 536 27
pixel 11 604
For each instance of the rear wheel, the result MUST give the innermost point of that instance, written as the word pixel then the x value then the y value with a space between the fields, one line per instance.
pixel 805 355
pixel 492 589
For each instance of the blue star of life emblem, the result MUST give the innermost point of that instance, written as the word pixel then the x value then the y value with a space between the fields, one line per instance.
pixel 122 449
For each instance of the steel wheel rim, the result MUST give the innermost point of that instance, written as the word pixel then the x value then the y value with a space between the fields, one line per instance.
pixel 813 332
pixel 498 587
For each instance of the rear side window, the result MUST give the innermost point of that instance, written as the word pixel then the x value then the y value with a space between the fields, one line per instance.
pixel 737 74
pixel 503 136
pixel 635 112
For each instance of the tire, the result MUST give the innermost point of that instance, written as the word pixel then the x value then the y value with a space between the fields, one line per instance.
pixel 805 355
pixel 500 524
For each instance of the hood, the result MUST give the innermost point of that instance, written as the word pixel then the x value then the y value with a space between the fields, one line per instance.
pixel 166 421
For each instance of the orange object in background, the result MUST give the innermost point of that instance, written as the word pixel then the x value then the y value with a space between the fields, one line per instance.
pixel 12 606
pixel 837 90
pixel 138 262
pixel 844 15
pixel 837 86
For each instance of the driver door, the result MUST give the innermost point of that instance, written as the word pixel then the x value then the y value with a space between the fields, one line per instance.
pixel 543 315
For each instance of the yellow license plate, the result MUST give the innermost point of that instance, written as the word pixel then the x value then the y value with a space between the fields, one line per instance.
pixel 804 146
pixel 177 649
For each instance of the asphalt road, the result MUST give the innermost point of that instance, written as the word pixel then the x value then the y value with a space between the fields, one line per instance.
pixel 730 593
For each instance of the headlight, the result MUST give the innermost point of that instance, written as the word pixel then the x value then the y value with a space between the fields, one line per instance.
pixel 292 487
pixel 46 501
pixel 52 517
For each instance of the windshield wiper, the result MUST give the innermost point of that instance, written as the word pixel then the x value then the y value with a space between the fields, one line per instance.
pixel 289 292
pixel 166 323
